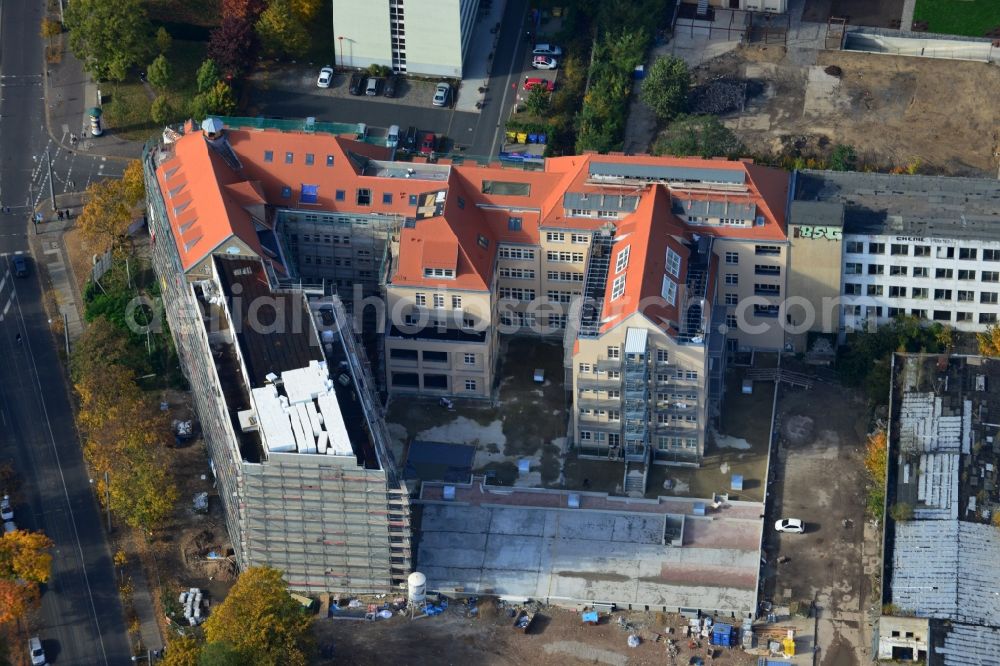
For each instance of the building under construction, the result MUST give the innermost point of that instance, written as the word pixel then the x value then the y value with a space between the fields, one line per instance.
pixel 288 406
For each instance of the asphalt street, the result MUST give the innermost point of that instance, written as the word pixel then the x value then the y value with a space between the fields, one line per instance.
pixel 80 621
pixel 475 134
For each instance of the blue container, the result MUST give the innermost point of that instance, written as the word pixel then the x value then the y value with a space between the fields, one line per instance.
pixel 722 634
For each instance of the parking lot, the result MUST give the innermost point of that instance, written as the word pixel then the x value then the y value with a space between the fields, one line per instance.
pixel 819 478
pixel 291 91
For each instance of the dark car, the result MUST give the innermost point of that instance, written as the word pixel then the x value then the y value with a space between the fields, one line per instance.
pixel 358 81
pixel 390 85
pixel 410 139
pixel 20 266
pixel 427 143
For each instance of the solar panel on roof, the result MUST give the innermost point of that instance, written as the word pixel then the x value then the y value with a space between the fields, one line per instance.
pixel 658 172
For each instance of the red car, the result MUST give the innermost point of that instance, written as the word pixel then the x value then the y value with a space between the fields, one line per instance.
pixel 531 83
pixel 427 142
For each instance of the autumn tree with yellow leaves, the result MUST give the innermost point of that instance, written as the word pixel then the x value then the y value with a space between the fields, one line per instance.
pixel 111 206
pixel 876 463
pixel 989 341
pixel 25 563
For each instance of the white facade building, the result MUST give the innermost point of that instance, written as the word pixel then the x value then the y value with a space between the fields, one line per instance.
pixel 425 37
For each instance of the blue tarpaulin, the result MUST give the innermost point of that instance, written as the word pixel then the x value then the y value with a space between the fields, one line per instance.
pixel 591 616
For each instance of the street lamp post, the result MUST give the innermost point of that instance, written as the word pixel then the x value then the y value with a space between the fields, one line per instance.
pixel 341 38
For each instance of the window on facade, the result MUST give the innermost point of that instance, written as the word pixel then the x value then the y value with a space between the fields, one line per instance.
pixel 268 155
pixel 618 287
pixel 514 223
pixel 766 269
pixel 614 415
pixel 767 249
pixel 897 292
pixel 483 241
pixel 852 289
pixel 942 294
pixel 898 249
pixel 470 384
pixel 965 296
pixel 943 273
pixel 329 160
pixel 438 300
pixel 765 310
pixel 966 275
pixel 876 269
pixel 470 359
pixel 852 268
pixel 309 194
pixel 988 297
pixel 580 239
pixel 584 368
pixel 963 316
pixel 876 248
pixel 614 374
pixel 921 250
pixel 991 255
pixel 456 302
pixel 555 237
pixel 339 196
pixel 420 299
pixel 874 290
pixel 897 270
pixel 732 258
pixel 967 253
pixel 989 276
pixel 621 261
pixel 732 299
pixel 854 247
pixel 732 279
pixel 310 159
pixel 920 271
pixel 669 290
pixel 674 263
pixel 614 352
pixel 942 315
pixel 731 321
pixel 387 197
pixel 987 317
pixel 516 253
pixel 920 292
pixel 919 313
pixel 945 252
pixel 767 289
pixel 364 196
pixel 662 355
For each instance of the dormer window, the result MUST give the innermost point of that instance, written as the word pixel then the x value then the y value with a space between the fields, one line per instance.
pixel 439 273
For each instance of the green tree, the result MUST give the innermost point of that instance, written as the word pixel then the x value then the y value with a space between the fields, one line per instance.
pixel 665 88
pixel 538 100
pixel 161 110
pixel 217 100
pixel 109 37
pixel 163 40
pixel 208 75
pixel 261 621
pixel 702 136
pixel 160 72
pixel 281 32
pixel 843 157
pixel 222 654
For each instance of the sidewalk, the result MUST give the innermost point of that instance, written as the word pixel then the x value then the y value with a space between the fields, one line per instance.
pixel 69 92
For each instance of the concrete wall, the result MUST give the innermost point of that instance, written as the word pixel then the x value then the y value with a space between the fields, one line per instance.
pixel 365 29
pixel 895 42
pixel 814 279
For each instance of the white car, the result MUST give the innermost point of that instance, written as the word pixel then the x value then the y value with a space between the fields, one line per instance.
pixel 790 525
pixel 544 62
pixel 546 50
pixel 325 77
pixel 442 94
pixel 36 651
pixel 6 510
pixel 9 526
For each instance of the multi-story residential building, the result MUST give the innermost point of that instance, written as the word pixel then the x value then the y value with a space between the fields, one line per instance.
pixel 424 37
pixel 299 453
pixel 868 247
pixel 772 6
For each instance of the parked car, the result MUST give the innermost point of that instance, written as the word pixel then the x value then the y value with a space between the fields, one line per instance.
pixel 9 526
pixel 6 510
pixel 20 266
pixel 36 651
pixel 532 82
pixel 392 136
pixel 374 86
pixel 358 81
pixel 325 77
pixel 790 526
pixel 410 139
pixel 544 62
pixel 427 143
pixel 390 85
pixel 546 50
pixel 442 94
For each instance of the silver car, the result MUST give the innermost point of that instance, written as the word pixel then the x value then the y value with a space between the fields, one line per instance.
pixel 36 651
pixel 442 94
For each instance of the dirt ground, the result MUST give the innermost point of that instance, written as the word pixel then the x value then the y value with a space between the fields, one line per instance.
pixel 557 637
pixel 894 110
pixel 820 479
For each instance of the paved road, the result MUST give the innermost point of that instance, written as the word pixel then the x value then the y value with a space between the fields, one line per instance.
pixel 477 134
pixel 81 615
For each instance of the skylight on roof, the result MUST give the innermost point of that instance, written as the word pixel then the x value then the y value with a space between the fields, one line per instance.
pixel 309 194
pixel 621 261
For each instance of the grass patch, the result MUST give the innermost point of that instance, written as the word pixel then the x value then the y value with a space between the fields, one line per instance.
pixel 973 18
pixel 127 112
